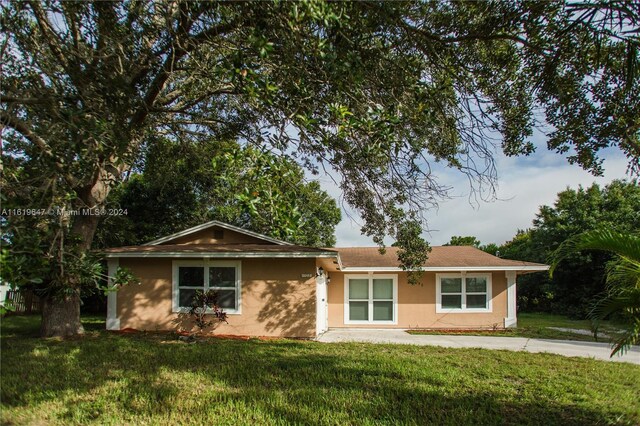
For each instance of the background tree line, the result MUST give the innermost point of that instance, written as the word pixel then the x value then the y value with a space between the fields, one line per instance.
pixel 581 276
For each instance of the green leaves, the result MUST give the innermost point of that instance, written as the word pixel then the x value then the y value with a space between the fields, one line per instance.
pixel 246 187
pixel 623 279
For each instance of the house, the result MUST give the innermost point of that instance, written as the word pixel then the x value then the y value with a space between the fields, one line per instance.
pixel 270 287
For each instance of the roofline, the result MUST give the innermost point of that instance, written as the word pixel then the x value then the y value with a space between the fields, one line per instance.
pixel 203 226
pixel 446 268
pixel 222 254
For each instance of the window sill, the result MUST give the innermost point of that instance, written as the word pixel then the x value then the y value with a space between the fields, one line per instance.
pixel 371 322
pixel 186 310
pixel 463 311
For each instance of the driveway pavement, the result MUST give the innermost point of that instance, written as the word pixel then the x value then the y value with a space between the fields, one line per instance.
pixel 595 350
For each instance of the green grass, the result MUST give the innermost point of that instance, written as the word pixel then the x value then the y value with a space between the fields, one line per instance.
pixel 105 378
pixel 536 326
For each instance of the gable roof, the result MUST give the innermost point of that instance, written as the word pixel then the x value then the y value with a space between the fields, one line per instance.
pixel 441 258
pixel 211 224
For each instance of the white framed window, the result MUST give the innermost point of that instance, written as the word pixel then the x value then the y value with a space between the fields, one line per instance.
pixel 463 292
pixel 371 299
pixel 224 277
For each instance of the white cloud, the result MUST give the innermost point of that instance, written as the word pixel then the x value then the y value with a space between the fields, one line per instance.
pixel 523 188
pixel 524 185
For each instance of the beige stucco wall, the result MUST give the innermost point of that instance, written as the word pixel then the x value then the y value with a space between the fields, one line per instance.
pixel 276 301
pixel 417 305
pixel 206 237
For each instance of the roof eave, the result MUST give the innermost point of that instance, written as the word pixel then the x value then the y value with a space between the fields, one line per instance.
pixel 528 268
pixel 220 255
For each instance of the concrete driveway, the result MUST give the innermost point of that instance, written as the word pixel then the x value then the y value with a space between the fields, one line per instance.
pixel 595 350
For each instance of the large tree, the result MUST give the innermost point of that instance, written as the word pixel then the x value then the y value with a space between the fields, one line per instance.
pixel 376 90
pixel 246 187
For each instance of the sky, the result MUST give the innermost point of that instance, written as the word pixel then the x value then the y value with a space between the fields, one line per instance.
pixel 524 184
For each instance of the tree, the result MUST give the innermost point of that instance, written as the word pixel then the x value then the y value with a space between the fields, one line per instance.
pixel 209 180
pixel 581 276
pixel 375 90
pixel 491 248
pixel 464 241
pixel 623 279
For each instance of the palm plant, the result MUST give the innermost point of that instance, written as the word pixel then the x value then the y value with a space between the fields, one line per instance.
pixel 622 296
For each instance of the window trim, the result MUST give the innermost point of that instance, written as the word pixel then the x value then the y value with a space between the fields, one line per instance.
pixel 464 310
pixel 206 264
pixel 370 277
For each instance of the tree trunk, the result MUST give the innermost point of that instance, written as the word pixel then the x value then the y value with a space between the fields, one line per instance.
pixel 61 314
pixel 61 317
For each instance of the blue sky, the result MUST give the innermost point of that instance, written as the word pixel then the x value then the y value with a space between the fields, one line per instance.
pixel 524 184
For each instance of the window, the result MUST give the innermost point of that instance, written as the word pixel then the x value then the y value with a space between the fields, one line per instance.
pixel 370 299
pixel 193 275
pixel 463 292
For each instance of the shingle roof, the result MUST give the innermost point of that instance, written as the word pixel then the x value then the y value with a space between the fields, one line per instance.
pixel 351 257
pixel 440 256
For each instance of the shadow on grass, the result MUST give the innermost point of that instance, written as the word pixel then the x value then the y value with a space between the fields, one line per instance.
pixel 151 376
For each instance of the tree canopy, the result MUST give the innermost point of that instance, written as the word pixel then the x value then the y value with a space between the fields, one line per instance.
pixel 377 91
pixel 469 240
pixel 209 180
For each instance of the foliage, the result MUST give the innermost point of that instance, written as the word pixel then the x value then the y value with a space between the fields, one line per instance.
pixel 581 276
pixel 6 306
pixel 204 308
pixel 23 263
pixel 246 187
pixel 464 241
pixel 376 91
pixel 623 279
pixel 108 378
pixel 491 248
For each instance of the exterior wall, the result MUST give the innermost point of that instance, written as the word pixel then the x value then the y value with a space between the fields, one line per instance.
pixel 206 237
pixel 417 305
pixel 276 301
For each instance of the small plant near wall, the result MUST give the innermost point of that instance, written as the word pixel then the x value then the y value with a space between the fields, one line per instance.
pixel 203 313
pixel 205 309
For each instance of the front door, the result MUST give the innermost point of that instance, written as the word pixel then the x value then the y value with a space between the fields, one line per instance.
pixel 322 306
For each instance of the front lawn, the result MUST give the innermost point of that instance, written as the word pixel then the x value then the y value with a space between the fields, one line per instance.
pixel 106 378
pixel 538 326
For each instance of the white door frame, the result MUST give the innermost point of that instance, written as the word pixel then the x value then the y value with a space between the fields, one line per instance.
pixel 322 305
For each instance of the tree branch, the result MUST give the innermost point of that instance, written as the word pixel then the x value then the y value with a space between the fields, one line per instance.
pixel 23 101
pixel 48 32
pixel 471 37
pixel 179 51
pixel 21 127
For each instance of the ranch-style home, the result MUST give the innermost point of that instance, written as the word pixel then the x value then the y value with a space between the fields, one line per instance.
pixel 273 288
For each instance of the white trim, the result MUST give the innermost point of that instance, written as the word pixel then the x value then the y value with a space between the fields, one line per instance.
pixel 113 322
pixel 223 255
pixel 370 277
pixel 463 275
pixel 210 224
pixel 322 319
pixel 511 320
pixel 206 264
pixel 446 268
